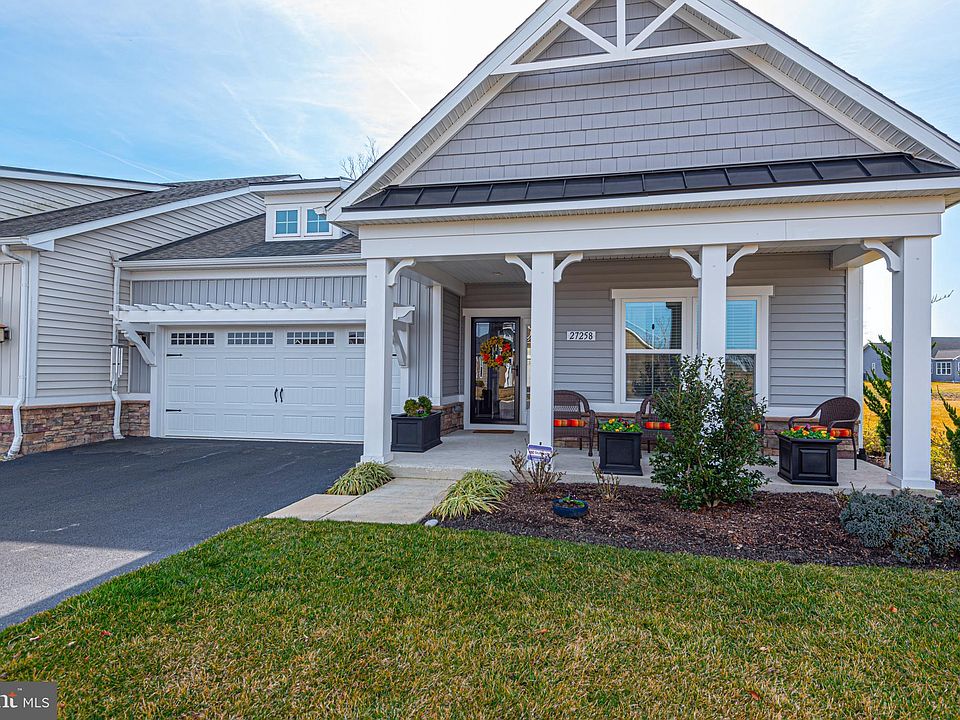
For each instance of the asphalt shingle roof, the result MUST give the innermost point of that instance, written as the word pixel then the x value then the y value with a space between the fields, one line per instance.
pixel 246 239
pixel 67 217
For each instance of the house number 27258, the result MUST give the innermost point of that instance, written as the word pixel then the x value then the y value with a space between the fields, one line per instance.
pixel 582 335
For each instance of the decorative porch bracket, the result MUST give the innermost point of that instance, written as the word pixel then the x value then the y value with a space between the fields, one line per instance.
pixel 400 348
pixel 557 271
pixel 565 263
pixel 741 253
pixel 680 254
pixel 149 357
pixel 405 263
pixel 894 261
pixel 518 261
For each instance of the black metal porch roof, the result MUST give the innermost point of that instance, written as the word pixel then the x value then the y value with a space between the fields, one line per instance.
pixel 862 168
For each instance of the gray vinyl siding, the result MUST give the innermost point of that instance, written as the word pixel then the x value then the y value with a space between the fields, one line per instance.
pixel 807 331
pixel 29 197
pixel 671 112
pixel 333 290
pixel 452 351
pixel 75 292
pixel 9 316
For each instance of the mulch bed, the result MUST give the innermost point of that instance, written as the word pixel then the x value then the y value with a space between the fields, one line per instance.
pixel 788 527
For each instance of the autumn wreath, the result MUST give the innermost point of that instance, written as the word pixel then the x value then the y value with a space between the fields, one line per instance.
pixel 496 352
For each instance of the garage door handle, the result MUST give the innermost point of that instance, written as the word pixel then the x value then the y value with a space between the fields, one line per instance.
pixel 275 391
pixel 281 394
pixel 174 410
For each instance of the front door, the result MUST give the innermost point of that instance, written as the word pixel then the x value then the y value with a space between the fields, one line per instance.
pixel 495 396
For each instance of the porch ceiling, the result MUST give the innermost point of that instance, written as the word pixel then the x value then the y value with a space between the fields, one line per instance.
pixel 493 269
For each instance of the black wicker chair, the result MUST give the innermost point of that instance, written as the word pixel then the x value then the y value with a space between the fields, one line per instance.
pixel 840 416
pixel 572 417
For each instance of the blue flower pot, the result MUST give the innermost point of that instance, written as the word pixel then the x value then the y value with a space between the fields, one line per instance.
pixel 573 513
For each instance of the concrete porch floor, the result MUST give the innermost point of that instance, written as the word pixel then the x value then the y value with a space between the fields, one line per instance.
pixel 469 450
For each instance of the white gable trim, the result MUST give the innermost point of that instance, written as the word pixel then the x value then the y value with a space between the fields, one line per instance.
pixel 546 17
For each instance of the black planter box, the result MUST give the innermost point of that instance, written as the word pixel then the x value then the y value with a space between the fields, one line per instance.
pixel 415 434
pixel 620 453
pixel 808 462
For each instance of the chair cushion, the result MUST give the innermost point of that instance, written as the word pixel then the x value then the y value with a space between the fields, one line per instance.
pixel 569 423
pixel 651 425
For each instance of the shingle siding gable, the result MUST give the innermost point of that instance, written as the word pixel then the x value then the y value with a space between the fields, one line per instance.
pixel 672 112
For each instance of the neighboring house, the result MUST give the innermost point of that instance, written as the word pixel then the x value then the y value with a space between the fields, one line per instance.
pixel 59 236
pixel 616 185
pixel 944 365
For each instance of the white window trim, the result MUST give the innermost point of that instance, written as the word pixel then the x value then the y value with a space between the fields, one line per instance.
pixel 302 233
pixel 940 365
pixel 689 341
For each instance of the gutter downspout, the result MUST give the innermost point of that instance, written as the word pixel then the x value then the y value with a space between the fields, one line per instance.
pixel 23 341
pixel 115 358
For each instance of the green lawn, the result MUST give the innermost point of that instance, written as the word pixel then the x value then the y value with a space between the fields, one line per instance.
pixel 290 619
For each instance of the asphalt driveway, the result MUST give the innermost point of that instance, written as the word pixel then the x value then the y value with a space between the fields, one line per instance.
pixel 74 518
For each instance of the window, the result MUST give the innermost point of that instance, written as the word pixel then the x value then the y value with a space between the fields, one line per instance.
pixel 358 337
pixel 317 223
pixel 653 344
pixel 658 326
pixel 310 337
pixel 288 222
pixel 943 368
pixel 742 340
pixel 191 338
pixel 250 338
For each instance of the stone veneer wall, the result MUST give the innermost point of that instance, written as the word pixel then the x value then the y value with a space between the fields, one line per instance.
pixel 64 426
pixel 452 419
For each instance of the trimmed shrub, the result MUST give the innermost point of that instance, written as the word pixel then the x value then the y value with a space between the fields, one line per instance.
pixel 361 479
pixel 912 528
pixel 476 491
pixel 713 415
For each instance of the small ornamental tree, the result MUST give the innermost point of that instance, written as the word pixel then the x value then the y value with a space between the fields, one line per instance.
pixel 714 420
pixel 953 434
pixel 877 389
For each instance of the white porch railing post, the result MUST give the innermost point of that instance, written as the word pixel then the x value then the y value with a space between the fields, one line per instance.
pixel 910 399
pixel 713 301
pixel 378 376
pixel 542 330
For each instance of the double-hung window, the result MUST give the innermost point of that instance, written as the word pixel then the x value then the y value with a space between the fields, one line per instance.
pixel 287 222
pixel 657 327
pixel 652 343
pixel 742 340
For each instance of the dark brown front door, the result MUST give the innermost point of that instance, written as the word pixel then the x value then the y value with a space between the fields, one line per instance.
pixel 495 395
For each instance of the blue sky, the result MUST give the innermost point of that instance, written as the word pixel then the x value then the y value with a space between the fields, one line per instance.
pixel 189 89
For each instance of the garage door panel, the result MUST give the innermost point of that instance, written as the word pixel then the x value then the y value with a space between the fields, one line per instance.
pixel 229 390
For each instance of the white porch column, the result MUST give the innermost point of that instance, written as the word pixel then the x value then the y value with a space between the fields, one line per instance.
pixel 378 378
pixel 713 301
pixel 542 330
pixel 910 401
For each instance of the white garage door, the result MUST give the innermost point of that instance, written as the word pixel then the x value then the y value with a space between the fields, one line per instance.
pixel 301 383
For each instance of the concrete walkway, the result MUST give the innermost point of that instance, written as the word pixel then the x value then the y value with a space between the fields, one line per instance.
pixel 404 501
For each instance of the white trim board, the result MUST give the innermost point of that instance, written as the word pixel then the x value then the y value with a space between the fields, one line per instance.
pixel 287 270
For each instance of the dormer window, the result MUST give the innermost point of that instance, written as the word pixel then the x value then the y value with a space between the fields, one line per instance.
pixel 317 223
pixel 288 222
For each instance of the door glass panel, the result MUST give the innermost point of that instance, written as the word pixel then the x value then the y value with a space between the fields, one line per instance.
pixel 496 371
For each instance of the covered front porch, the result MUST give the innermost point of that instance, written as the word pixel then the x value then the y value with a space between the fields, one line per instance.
pixel 603 303
pixel 476 449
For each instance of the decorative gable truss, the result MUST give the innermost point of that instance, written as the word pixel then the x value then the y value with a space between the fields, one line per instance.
pixel 624 47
